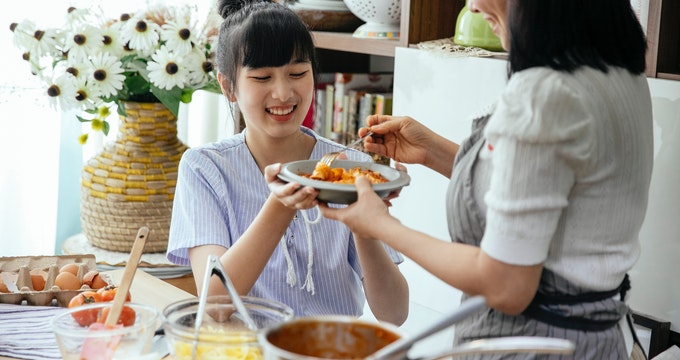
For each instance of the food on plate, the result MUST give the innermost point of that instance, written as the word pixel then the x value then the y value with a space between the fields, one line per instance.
pixel 67 281
pixel 324 172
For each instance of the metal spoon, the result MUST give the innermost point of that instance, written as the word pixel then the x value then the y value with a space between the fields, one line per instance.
pixel 214 267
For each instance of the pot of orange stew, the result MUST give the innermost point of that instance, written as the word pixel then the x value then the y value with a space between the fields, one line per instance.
pixel 327 337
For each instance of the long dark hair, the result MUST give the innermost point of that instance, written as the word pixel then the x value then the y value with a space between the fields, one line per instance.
pixel 261 33
pixel 567 34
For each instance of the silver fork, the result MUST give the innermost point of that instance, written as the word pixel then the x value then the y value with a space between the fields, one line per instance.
pixel 330 157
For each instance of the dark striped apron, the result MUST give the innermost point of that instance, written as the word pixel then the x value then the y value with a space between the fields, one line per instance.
pixel 560 309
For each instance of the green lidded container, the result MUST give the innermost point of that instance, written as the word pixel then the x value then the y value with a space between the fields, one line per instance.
pixel 473 30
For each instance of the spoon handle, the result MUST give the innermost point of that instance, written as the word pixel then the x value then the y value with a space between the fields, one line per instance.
pixel 128 275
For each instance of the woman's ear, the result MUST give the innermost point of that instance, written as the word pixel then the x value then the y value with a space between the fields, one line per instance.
pixel 226 87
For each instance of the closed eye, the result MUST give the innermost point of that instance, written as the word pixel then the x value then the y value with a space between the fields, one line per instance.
pixel 300 74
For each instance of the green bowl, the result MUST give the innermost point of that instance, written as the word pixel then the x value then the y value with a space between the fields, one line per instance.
pixel 473 30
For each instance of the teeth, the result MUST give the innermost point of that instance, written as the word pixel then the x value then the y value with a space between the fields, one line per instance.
pixel 281 111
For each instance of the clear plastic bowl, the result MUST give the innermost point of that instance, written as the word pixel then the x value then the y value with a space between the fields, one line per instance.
pixel 135 340
pixel 223 334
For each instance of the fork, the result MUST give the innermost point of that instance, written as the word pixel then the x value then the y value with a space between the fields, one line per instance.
pixel 330 157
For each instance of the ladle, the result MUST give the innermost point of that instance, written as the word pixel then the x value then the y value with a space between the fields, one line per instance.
pixel 214 267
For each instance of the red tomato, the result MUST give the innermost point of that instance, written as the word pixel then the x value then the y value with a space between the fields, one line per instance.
pixel 85 317
pixel 127 316
pixel 109 292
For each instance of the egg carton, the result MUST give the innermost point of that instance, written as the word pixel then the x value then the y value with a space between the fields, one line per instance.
pixel 15 273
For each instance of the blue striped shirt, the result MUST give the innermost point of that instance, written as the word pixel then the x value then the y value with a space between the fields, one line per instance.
pixel 220 191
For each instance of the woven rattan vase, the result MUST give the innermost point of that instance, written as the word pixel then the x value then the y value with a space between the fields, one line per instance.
pixel 131 182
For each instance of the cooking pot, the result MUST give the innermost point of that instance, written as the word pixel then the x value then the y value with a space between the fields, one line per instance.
pixel 343 337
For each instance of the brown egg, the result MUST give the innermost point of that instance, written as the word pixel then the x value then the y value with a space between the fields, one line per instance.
pixel 38 282
pixel 3 287
pixel 67 281
pixel 94 280
pixel 72 268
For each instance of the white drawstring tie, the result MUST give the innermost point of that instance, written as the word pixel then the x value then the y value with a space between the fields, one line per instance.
pixel 291 278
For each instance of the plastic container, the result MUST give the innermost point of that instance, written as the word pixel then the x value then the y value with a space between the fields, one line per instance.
pixel 223 334
pixel 473 30
pixel 135 340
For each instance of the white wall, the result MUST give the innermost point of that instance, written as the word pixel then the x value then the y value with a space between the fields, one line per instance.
pixel 444 93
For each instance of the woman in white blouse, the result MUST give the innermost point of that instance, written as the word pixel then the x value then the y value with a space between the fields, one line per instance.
pixel 548 194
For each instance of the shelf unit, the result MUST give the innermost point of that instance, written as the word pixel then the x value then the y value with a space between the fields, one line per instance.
pixel 663 39
pixel 423 20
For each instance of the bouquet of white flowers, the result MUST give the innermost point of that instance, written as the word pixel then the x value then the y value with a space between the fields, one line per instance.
pixel 161 54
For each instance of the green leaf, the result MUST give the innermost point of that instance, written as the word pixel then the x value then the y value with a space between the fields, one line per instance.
pixel 106 127
pixel 169 98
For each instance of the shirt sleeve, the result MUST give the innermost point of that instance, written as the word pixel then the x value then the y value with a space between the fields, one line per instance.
pixel 197 216
pixel 538 140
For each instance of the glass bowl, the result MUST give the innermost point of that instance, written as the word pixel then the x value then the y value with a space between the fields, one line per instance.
pixel 223 334
pixel 80 342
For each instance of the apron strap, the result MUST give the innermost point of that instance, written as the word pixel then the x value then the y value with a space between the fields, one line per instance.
pixel 538 310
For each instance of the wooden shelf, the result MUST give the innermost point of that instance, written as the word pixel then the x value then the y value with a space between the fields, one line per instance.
pixel 346 42
pixel 663 39
pixel 421 20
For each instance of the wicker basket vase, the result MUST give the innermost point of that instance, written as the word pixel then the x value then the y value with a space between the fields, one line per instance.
pixel 131 182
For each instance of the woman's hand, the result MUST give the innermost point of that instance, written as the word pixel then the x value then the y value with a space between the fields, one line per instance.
pixel 366 216
pixel 291 195
pixel 398 137
pixel 405 140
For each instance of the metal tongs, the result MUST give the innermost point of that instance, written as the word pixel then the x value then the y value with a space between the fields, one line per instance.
pixel 214 267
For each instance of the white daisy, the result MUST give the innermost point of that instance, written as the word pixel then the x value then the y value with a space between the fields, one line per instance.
pixel 200 68
pixel 86 96
pixel 140 34
pixel 82 42
pixel 62 92
pixel 166 70
pixel 105 74
pixel 178 36
pixel 47 43
pixel 22 34
pixel 111 42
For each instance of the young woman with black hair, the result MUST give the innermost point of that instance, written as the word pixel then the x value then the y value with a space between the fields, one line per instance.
pixel 271 238
pixel 548 194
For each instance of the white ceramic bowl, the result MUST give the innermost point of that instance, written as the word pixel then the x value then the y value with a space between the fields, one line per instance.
pixel 135 340
pixel 343 193
pixel 382 18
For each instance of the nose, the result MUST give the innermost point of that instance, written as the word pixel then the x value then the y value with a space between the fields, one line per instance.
pixel 472 6
pixel 283 89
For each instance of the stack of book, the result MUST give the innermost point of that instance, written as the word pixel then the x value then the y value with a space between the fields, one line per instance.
pixel 344 100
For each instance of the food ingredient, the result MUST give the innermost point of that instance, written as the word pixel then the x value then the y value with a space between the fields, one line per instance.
pixel 89 316
pixel 71 267
pixel 324 172
pixel 217 344
pixel 106 294
pixel 67 281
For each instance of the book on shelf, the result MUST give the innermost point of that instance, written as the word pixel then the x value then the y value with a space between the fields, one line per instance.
pixel 345 119
pixel 383 104
pixel 320 103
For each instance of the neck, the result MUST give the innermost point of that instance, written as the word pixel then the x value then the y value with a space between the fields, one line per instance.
pixel 268 150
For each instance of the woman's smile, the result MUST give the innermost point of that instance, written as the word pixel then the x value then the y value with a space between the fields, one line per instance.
pixel 281 113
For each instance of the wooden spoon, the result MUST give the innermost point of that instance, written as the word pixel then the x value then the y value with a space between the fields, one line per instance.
pixel 128 276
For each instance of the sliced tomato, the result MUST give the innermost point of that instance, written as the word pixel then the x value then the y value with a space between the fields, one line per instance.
pixel 85 317
pixel 126 318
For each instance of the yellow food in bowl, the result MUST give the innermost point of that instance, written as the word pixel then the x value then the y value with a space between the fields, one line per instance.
pixel 217 344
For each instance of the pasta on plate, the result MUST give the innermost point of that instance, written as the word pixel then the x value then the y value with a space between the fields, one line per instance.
pixel 324 172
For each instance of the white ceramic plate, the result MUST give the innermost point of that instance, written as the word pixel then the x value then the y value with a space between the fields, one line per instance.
pixel 343 193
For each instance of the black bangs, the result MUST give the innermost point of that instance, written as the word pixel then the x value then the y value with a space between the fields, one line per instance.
pixel 270 43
